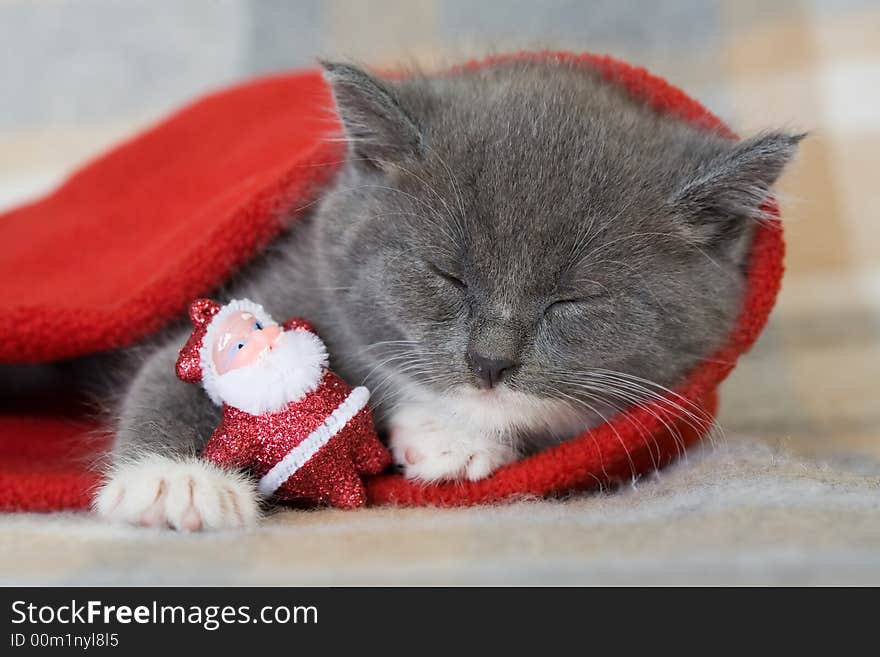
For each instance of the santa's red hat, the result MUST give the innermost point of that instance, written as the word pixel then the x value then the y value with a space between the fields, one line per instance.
pixel 189 367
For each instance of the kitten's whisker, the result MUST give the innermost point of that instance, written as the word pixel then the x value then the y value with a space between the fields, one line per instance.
pixel 588 238
pixel 395 395
pixel 439 224
pixel 387 361
pixel 636 424
pixel 322 288
pixel 701 424
pixel 699 420
pixel 387 188
pixel 595 391
pixel 637 396
pixel 699 413
pixel 388 344
pixel 437 195
pixel 456 189
pixel 636 403
pixel 616 433
pixel 412 197
pixel 645 382
pixel 675 236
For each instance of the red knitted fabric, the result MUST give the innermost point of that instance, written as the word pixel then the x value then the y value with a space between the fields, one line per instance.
pixel 121 248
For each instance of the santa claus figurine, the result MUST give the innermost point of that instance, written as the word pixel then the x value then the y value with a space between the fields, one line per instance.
pixel 288 419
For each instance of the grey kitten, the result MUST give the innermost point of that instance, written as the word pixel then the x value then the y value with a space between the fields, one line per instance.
pixel 508 256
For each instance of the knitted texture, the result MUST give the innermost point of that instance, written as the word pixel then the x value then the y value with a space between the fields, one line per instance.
pixel 152 223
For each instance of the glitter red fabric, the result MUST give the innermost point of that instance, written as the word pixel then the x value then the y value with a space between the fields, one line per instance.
pixel 332 475
pixel 189 367
pixel 152 232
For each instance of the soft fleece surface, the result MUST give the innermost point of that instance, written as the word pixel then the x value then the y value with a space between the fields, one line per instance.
pixel 119 250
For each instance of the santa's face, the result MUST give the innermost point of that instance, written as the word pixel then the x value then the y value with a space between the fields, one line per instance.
pixel 242 340
pixel 258 367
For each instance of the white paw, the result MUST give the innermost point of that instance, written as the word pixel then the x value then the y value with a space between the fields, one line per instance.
pixel 430 450
pixel 187 495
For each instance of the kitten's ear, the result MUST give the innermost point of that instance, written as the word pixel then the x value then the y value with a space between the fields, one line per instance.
pixel 379 128
pixel 730 188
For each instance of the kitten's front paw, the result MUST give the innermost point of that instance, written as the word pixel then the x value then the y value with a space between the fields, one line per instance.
pixel 187 495
pixel 431 451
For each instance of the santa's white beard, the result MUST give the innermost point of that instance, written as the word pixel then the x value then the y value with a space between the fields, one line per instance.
pixel 281 375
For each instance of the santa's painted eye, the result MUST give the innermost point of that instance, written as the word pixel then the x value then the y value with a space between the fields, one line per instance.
pixel 258 326
pixel 241 345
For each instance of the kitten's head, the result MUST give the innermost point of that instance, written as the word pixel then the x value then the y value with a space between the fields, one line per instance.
pixel 527 227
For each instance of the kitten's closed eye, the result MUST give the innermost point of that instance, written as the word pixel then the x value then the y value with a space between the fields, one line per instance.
pixel 564 303
pixel 588 294
pixel 450 278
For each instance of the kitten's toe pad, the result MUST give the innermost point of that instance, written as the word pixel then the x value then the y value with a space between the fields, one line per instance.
pixel 412 455
pixel 481 464
pixel 429 452
pixel 187 495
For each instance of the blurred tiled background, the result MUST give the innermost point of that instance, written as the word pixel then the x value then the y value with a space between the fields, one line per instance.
pixel 77 75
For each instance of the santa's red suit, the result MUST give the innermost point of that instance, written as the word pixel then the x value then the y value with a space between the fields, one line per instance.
pixel 314 450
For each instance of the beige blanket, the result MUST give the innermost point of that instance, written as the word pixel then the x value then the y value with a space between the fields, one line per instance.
pixel 740 513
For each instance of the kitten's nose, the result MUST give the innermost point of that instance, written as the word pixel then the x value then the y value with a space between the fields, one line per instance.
pixel 490 369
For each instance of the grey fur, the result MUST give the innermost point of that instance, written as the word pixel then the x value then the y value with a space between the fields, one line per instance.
pixel 525 211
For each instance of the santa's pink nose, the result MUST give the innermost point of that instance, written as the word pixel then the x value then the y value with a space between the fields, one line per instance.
pixel 266 337
pixel 272 332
